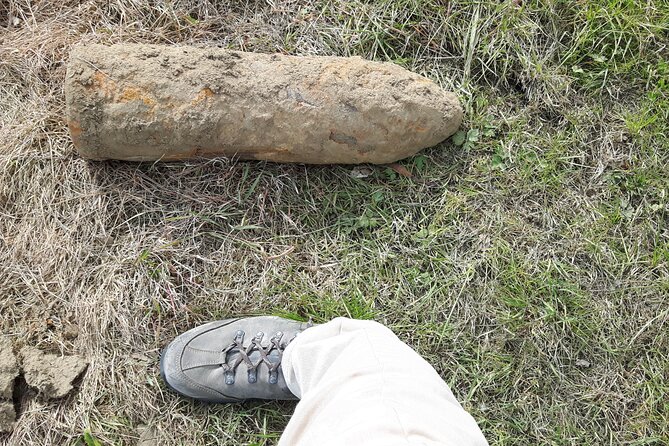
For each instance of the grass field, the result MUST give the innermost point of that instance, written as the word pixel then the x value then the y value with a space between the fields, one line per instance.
pixel 527 259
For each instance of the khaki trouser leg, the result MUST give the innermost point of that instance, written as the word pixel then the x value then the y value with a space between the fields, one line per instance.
pixel 360 385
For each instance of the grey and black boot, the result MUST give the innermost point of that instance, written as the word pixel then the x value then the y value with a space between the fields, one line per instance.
pixel 231 360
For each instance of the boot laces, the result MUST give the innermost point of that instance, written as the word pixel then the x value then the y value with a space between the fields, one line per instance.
pixel 236 353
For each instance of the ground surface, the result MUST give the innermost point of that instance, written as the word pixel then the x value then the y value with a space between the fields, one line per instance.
pixel 528 262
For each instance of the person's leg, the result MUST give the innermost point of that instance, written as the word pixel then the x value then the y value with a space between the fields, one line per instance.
pixel 359 384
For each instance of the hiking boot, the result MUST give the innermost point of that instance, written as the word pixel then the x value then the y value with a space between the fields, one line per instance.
pixel 231 360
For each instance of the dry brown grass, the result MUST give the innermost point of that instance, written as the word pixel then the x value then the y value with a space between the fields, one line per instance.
pixel 529 266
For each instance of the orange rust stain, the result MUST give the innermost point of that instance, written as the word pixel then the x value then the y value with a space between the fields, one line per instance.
pixel 99 79
pixel 202 96
pixel 135 94
pixel 110 90
pixel 75 131
pixel 75 128
pixel 103 83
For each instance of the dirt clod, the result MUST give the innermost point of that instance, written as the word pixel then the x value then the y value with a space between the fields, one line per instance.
pixel 50 374
pixel 9 369
pixel 7 416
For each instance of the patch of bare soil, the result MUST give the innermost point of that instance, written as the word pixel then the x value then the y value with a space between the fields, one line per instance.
pixel 50 375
